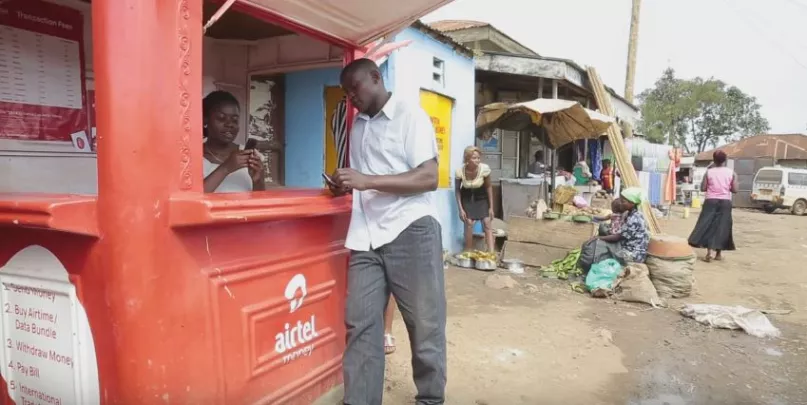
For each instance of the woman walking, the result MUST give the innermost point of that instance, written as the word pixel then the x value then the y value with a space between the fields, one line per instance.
pixel 474 195
pixel 713 230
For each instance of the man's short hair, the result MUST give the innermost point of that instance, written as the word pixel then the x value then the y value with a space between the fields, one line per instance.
pixel 359 66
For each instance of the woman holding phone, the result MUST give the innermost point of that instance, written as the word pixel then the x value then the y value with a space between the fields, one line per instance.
pixel 227 168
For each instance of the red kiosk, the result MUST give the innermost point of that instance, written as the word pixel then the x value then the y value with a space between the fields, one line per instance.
pixel 152 291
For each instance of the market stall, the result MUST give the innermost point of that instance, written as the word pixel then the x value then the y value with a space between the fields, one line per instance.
pixel 152 291
pixel 557 123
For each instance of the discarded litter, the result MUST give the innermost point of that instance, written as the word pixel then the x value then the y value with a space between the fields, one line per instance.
pixel 752 321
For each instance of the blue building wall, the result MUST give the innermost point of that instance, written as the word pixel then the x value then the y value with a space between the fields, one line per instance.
pixel 410 70
pixel 305 124
pixel 406 72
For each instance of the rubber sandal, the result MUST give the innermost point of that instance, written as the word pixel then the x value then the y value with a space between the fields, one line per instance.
pixel 707 259
pixel 389 343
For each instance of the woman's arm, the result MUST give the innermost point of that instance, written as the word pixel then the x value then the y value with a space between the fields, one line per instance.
pixel 733 188
pixel 489 190
pixel 256 171
pixel 457 193
pixel 235 161
pixel 214 179
pixel 611 238
pixel 259 185
pixel 703 181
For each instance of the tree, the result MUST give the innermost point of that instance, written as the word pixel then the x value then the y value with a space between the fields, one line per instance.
pixel 697 114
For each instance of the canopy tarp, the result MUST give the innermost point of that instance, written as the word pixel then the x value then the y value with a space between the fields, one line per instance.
pixel 564 120
pixel 352 23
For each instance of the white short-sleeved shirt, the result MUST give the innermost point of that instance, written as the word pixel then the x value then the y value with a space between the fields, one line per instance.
pixel 397 140
pixel 238 181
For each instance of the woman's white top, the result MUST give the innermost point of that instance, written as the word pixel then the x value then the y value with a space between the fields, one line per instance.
pixel 238 181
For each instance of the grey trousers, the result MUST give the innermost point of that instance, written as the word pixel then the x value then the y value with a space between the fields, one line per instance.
pixel 411 269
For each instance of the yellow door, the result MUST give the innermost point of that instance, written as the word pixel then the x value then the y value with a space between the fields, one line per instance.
pixel 333 94
pixel 439 108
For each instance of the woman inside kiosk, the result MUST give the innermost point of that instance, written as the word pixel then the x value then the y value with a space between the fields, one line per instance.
pixel 227 168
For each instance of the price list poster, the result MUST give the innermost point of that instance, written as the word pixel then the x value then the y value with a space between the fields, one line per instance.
pixel 42 89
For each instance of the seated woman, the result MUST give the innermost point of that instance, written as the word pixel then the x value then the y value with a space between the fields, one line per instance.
pixel 474 195
pixel 227 168
pixel 629 244
pixel 633 236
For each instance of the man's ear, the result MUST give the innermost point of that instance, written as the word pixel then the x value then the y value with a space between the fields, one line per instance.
pixel 376 76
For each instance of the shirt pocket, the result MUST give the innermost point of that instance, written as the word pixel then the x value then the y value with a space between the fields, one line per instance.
pixel 385 149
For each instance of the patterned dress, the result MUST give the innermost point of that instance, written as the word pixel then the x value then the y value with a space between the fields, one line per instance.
pixel 635 237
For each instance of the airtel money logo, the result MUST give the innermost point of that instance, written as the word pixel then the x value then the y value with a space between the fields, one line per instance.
pixel 295 339
pixel 297 283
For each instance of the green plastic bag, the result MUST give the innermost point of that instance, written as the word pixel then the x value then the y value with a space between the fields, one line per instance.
pixel 603 274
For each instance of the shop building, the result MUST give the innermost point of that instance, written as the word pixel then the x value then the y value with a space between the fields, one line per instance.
pixel 437 72
pixel 508 71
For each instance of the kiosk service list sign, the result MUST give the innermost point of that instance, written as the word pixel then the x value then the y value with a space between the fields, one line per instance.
pixel 48 355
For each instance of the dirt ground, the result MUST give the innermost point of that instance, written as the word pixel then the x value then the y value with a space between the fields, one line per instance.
pixel 541 343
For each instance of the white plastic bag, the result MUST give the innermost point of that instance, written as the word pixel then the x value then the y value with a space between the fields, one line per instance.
pixel 752 321
pixel 579 202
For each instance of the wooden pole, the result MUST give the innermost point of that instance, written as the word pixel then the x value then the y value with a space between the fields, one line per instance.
pixel 630 71
pixel 540 87
pixel 633 43
pixel 554 89
pixel 552 160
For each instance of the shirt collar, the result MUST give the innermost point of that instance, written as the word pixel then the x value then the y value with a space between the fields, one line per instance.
pixel 388 110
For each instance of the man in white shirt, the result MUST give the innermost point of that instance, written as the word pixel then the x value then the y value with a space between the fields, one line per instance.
pixel 394 238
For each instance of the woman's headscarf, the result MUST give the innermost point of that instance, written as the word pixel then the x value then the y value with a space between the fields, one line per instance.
pixel 633 194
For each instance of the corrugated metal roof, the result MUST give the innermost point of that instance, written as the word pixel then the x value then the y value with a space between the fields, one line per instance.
pixel 456 25
pixel 438 35
pixel 780 146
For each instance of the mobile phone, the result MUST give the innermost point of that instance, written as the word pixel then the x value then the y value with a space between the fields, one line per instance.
pixel 252 143
pixel 328 180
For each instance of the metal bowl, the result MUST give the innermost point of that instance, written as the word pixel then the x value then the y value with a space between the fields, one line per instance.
pixel 464 262
pixel 485 265
pixel 514 266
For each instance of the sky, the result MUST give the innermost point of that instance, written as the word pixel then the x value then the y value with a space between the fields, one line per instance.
pixel 758 46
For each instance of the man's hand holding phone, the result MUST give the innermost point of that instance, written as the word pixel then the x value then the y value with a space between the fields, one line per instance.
pixel 336 190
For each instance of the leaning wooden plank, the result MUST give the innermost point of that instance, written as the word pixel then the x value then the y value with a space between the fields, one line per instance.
pixel 622 156
pixel 556 233
pixel 533 254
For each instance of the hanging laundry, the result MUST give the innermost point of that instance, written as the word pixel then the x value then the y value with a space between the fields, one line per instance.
pixel 655 188
pixel 580 149
pixel 649 164
pixel 644 182
pixel 595 155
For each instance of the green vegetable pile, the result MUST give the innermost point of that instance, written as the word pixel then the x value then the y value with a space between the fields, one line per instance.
pixel 564 268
